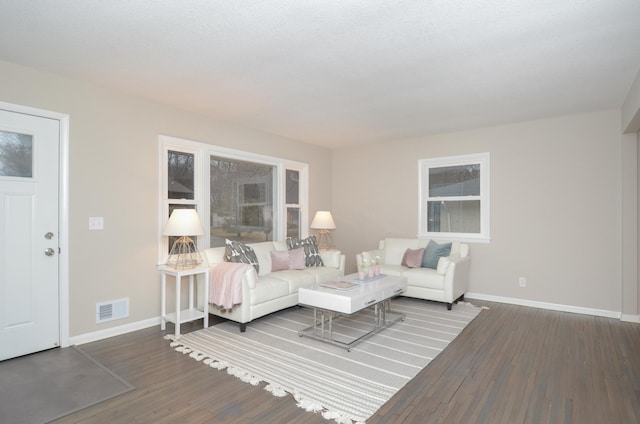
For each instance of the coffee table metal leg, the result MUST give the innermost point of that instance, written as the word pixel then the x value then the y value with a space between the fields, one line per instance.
pixel 330 326
pixel 380 321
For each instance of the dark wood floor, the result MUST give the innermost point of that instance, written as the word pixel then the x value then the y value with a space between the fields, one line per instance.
pixel 512 364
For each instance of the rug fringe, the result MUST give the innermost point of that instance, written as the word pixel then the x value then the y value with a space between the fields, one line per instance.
pixel 315 407
pixel 339 417
pixel 197 356
pixel 219 365
pixel 465 303
pixel 308 405
pixel 244 376
pixel 275 390
pixel 173 338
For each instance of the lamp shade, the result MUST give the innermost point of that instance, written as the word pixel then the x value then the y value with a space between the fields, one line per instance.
pixel 323 221
pixel 183 222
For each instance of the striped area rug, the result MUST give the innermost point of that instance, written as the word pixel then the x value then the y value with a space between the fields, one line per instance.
pixel 344 386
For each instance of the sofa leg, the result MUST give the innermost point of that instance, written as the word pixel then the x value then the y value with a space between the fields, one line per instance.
pixel 243 328
pixel 449 306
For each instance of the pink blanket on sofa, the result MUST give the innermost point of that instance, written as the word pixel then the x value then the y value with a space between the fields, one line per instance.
pixel 225 287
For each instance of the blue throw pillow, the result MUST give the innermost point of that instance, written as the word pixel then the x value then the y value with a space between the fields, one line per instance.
pixel 433 252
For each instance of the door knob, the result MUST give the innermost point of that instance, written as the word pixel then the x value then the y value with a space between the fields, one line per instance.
pixel 49 252
pixel 49 235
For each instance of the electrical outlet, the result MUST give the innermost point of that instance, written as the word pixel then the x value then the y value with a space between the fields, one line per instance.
pixel 522 282
pixel 96 223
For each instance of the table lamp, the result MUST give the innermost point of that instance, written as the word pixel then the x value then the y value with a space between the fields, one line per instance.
pixel 184 253
pixel 323 222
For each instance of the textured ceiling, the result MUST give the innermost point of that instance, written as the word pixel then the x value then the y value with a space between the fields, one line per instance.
pixel 340 72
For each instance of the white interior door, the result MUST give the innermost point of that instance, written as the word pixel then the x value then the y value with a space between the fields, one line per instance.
pixel 29 234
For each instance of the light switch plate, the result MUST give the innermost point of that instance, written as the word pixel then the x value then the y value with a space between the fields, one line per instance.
pixel 96 223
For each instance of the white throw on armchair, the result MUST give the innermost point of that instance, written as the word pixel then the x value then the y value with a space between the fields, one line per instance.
pixel 447 282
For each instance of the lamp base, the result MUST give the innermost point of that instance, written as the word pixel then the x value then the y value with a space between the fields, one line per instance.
pixel 325 242
pixel 184 254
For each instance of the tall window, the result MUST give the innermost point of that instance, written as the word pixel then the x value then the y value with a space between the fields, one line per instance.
pixel 293 203
pixel 180 183
pixel 454 197
pixel 238 195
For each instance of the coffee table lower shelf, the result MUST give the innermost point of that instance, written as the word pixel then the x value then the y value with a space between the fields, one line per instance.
pixel 323 320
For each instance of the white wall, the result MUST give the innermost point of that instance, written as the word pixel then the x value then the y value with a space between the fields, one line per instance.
pixel 556 195
pixel 555 205
pixel 631 188
pixel 114 173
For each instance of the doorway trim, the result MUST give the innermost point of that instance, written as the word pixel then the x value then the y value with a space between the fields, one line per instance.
pixel 63 209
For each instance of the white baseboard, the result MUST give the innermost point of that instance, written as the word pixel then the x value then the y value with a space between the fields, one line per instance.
pixel 630 318
pixel 113 331
pixel 545 305
pixel 139 325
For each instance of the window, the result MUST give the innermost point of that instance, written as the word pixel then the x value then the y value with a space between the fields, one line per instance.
pixel 241 200
pixel 180 191
pixel 181 168
pixel 454 198
pixel 238 195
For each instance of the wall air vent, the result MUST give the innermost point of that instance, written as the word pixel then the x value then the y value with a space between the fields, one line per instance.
pixel 112 310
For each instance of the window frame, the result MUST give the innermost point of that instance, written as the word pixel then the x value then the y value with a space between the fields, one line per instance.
pixel 424 165
pixel 202 153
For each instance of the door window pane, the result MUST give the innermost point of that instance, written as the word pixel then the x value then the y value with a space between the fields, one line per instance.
pixel 16 155
pixel 241 200
pixel 181 175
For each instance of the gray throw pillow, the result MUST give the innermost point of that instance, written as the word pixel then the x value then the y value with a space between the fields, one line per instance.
pixel 238 252
pixel 433 252
pixel 311 254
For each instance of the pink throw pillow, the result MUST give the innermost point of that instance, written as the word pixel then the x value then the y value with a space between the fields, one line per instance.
pixel 279 260
pixel 296 258
pixel 413 258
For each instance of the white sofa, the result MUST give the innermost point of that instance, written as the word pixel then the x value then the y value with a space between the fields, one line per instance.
pixel 269 291
pixel 447 283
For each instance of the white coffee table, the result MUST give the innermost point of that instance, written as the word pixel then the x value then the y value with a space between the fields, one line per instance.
pixel 329 304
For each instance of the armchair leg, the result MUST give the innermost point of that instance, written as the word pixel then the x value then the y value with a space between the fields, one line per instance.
pixel 243 328
pixel 460 299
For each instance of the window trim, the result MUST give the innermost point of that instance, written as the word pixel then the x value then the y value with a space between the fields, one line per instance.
pixel 484 236
pixel 202 153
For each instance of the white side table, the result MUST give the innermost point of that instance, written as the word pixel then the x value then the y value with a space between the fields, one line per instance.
pixel 191 313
